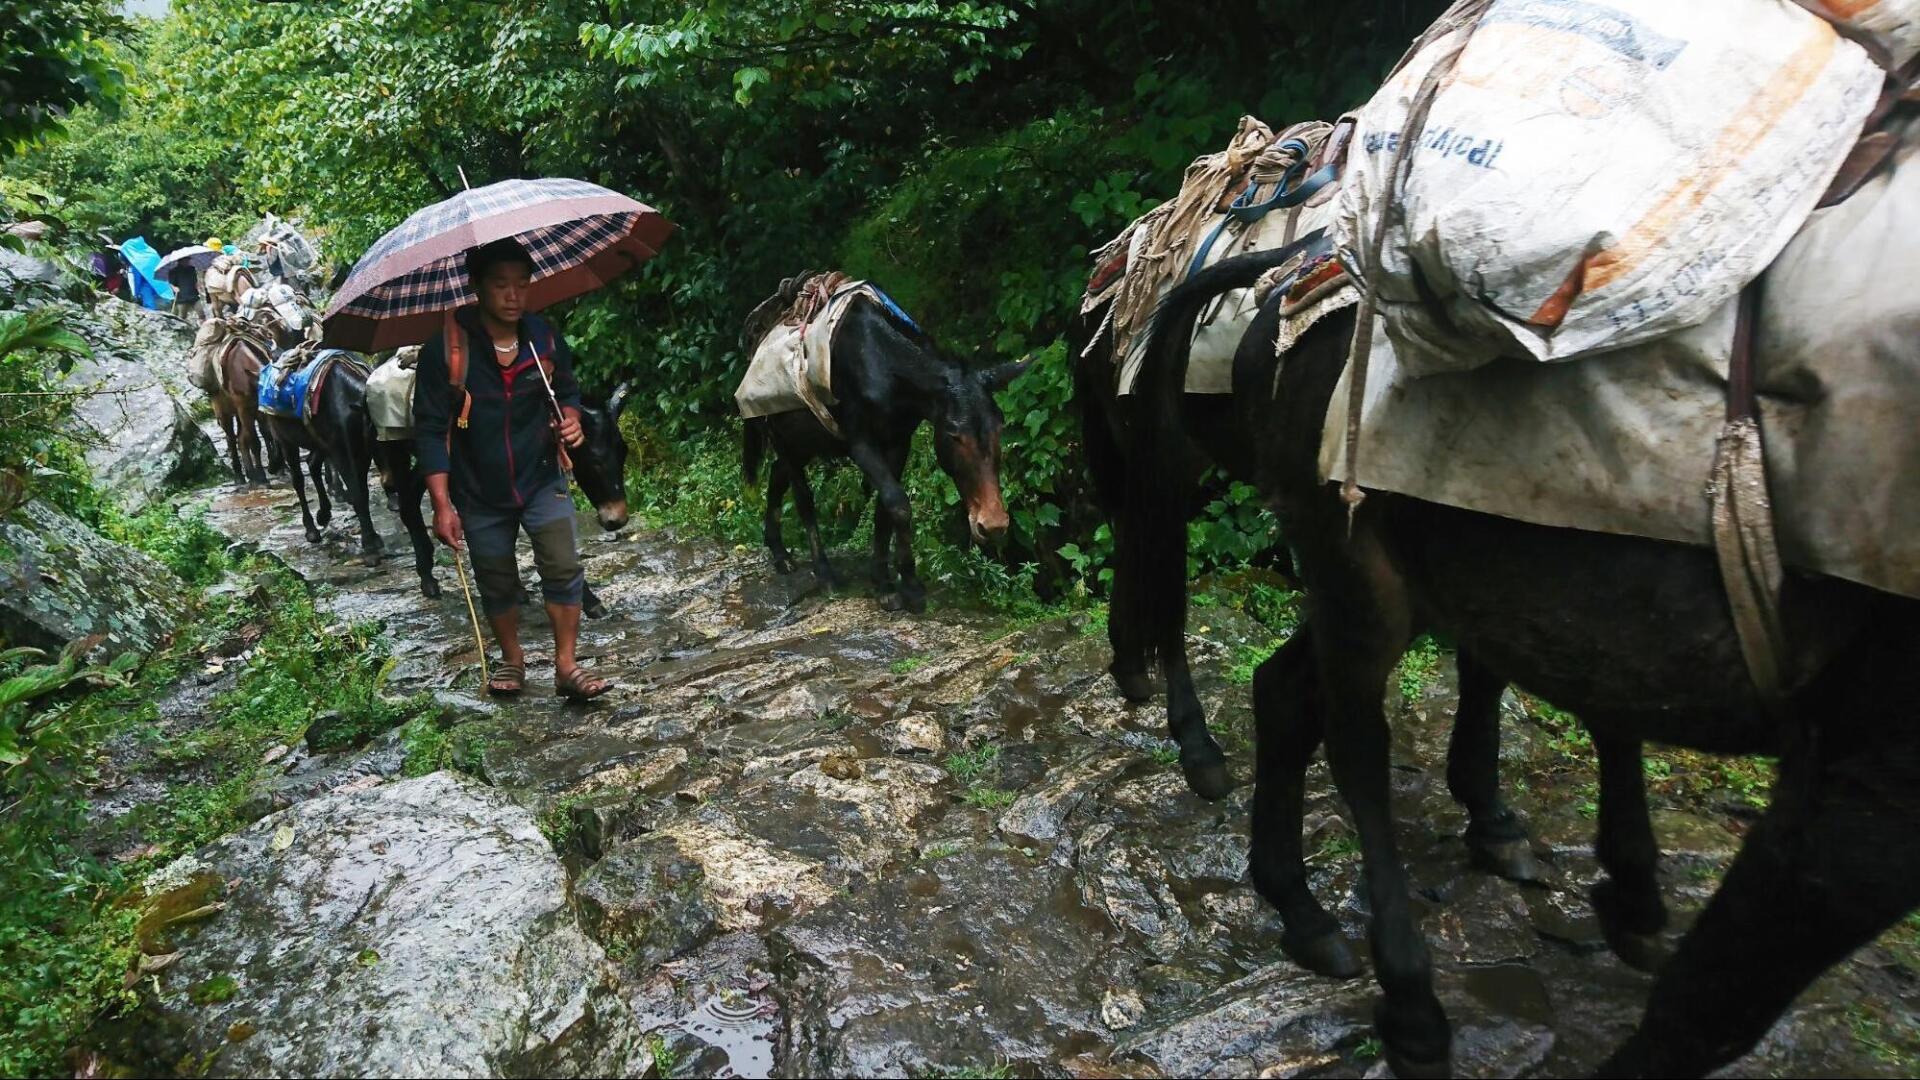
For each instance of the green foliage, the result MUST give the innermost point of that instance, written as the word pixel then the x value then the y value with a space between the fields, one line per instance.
pixel 54 56
pixel 36 349
pixel 967 766
pixel 1418 668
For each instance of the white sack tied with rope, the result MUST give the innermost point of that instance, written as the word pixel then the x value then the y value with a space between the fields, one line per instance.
pixel 390 395
pixel 1594 175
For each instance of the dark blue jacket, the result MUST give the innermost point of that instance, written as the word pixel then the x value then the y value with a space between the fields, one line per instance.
pixel 508 452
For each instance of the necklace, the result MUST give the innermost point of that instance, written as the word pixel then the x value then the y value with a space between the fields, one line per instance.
pixel 505 349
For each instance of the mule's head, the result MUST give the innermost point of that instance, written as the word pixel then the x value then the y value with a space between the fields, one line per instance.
pixel 966 439
pixel 600 464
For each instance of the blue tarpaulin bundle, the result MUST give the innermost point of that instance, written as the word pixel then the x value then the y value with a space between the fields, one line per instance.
pixel 149 289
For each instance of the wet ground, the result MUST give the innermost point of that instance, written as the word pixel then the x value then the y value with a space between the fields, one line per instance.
pixel 824 838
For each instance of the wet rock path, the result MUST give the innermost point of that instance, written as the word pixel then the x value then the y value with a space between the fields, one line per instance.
pixel 816 837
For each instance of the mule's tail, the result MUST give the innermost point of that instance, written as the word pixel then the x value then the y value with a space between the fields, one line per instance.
pixel 755 449
pixel 1156 505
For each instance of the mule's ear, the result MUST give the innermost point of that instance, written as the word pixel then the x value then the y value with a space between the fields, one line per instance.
pixel 1001 376
pixel 619 399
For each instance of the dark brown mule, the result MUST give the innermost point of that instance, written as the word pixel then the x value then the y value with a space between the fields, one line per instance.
pixel 1212 434
pixel 338 431
pixel 1634 635
pixel 236 407
pixel 889 378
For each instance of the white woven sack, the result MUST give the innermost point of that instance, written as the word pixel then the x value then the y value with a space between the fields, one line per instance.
pixel 390 399
pixel 1595 175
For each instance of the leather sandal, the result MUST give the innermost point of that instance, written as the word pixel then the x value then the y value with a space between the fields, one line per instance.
pixel 580 685
pixel 507 680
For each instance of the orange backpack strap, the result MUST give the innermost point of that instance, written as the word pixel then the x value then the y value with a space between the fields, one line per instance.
pixel 456 337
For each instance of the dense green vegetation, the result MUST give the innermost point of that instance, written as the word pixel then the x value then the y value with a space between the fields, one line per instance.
pixel 966 156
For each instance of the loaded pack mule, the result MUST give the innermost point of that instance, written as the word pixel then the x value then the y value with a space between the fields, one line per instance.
pixel 1832 863
pixel 315 399
pixel 840 371
pixel 599 463
pixel 1265 188
pixel 228 355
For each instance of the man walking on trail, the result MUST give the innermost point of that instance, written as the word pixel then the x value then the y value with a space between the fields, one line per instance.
pixel 489 444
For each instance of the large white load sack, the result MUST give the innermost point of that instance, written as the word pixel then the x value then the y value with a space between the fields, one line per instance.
pixel 1595 175
pixel 390 395
pixel 1893 26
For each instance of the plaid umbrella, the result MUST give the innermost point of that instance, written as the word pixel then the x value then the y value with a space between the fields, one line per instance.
pixel 580 236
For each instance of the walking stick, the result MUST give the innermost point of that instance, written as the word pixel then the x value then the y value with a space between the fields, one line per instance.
pixel 460 569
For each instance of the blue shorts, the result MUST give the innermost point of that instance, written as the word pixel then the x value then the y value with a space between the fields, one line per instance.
pixel 547 519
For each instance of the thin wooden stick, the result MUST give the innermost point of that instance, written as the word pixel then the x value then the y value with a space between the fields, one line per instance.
pixel 460 569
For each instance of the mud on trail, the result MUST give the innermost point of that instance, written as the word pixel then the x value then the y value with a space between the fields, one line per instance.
pixel 816 837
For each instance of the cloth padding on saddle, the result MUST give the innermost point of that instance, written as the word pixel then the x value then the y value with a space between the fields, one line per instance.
pixel 792 365
pixel 292 389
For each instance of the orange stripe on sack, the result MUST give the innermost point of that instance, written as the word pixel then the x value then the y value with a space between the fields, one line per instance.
pixel 1753 123
pixel 1841 9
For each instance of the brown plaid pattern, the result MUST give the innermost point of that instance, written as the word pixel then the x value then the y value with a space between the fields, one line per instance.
pixel 579 235
pixel 443 284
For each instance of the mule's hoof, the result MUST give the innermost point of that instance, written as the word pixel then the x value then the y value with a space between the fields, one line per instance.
pixel 1510 859
pixel 313 536
pixel 429 588
pixel 594 609
pixel 1641 952
pixel 1412 1069
pixel 324 518
pixel 914 600
pixel 783 566
pixel 1135 686
pixel 1208 779
pixel 1403 1049
pixel 393 504
pixel 1329 954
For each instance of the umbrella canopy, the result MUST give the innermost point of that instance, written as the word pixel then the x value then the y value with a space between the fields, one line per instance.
pixel 198 256
pixel 580 236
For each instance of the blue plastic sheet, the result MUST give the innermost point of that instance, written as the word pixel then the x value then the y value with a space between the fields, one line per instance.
pixel 148 288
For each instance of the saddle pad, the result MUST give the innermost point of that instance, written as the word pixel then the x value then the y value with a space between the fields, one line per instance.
pixel 289 388
pixel 1217 335
pixel 1623 443
pixel 792 366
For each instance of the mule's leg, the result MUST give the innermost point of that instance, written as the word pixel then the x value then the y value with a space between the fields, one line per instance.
pixel 1833 863
pixel 250 443
pixel 316 462
pixel 1361 623
pixel 881 570
pixel 891 499
pixel 1287 712
pixel 770 523
pixel 1496 839
pixel 300 492
pixel 1628 902
pixel 1202 761
pixel 412 489
pixel 1129 665
pixel 810 520
pixel 360 497
pixel 230 430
